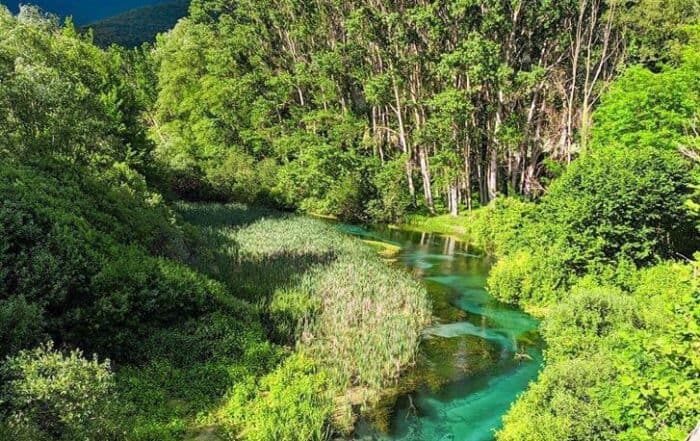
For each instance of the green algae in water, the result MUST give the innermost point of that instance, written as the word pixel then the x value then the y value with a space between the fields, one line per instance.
pixel 473 362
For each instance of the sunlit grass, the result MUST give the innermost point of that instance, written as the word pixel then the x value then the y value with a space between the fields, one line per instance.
pixel 456 226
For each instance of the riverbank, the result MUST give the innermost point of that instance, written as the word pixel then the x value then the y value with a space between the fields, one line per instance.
pixel 458 227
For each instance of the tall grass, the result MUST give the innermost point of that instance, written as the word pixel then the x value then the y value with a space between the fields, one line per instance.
pixel 328 295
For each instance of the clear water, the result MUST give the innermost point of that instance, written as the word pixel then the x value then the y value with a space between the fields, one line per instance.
pixel 474 361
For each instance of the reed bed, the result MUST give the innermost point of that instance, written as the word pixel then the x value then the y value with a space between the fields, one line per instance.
pixel 327 294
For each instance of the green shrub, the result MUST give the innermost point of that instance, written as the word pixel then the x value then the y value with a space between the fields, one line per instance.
pixel 612 208
pixel 637 353
pixel 622 203
pixel 588 314
pixel 648 109
pixel 235 178
pixel 529 277
pixel 88 253
pixel 55 395
pixel 563 404
pixel 658 389
pixel 292 403
pixel 505 225
pixel 393 201
pixel 508 279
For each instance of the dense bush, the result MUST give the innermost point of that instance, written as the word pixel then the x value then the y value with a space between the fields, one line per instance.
pixel 562 404
pixel 292 403
pixel 392 203
pixel 21 325
pixel 48 395
pixel 588 315
pixel 612 206
pixel 80 252
pixel 507 224
pixel 622 203
pixel 64 98
pixel 530 276
pixel 649 109
pixel 621 365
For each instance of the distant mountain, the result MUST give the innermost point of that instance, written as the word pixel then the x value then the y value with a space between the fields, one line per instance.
pixel 82 11
pixel 134 27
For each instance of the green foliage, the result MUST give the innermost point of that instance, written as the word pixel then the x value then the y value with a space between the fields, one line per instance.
pixel 586 316
pixel 621 328
pixel 621 365
pixel 562 404
pixel 63 98
pixel 80 250
pixel 21 325
pixel 55 396
pixel 238 177
pixel 323 181
pixel 293 402
pixel 655 29
pixel 330 92
pixel 649 109
pixel 333 110
pixel 392 202
pixel 612 206
pixel 531 277
pixel 622 203
pixel 504 225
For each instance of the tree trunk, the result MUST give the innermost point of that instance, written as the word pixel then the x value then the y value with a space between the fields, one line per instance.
pixel 454 200
pixel 425 173
pixel 492 175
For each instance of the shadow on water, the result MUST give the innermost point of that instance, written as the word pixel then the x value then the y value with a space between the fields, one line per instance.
pixel 474 361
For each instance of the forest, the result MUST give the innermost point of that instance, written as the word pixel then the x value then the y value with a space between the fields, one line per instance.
pixel 175 262
pixel 139 25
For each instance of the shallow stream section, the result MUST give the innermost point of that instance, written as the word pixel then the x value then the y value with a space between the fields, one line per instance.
pixel 473 362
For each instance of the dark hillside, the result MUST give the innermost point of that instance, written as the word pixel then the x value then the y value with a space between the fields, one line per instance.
pixel 82 11
pixel 134 27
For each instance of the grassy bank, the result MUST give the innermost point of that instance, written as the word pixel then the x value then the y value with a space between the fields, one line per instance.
pixel 472 226
pixel 350 322
pixel 456 226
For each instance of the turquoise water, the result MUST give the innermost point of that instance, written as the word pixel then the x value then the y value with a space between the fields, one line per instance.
pixel 474 360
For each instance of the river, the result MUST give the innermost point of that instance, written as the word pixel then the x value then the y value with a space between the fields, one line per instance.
pixel 474 360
